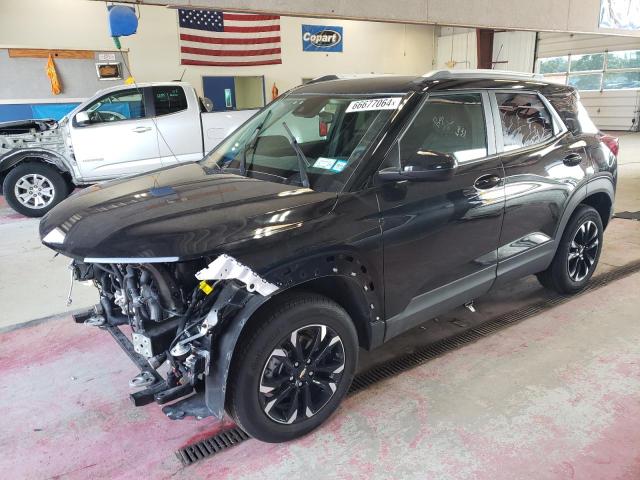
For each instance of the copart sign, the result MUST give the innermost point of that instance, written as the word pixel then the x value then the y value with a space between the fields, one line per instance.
pixel 321 38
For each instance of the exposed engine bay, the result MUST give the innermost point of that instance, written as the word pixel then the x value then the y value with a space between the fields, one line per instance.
pixel 28 134
pixel 175 312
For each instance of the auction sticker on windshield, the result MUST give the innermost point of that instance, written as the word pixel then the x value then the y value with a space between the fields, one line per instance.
pixel 388 103
pixel 324 163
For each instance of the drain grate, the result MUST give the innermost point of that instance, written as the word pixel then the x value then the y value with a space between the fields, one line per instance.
pixel 628 215
pixel 433 350
pixel 212 445
pixel 228 438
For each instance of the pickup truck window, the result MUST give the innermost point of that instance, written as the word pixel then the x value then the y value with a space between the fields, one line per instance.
pixel 116 106
pixel 169 99
pixel 332 132
pixel 452 124
pixel 525 120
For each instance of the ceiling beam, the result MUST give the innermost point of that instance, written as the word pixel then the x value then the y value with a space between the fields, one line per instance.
pixel 574 16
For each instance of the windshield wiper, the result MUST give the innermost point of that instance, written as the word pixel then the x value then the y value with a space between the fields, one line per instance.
pixel 251 144
pixel 303 163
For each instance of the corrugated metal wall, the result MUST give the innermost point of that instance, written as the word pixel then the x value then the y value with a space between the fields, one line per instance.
pixel 610 109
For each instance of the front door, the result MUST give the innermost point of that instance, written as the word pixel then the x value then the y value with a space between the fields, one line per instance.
pixel 119 140
pixel 441 237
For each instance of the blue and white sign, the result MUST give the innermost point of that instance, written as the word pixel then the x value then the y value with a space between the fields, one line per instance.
pixel 321 38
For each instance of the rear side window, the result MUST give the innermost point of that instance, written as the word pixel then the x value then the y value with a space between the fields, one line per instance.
pixel 525 120
pixel 451 124
pixel 169 99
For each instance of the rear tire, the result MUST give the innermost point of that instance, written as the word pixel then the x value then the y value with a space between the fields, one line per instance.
pixel 292 370
pixel 578 253
pixel 34 188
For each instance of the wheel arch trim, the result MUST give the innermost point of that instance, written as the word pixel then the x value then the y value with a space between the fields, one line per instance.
pixel 297 276
pixel 597 185
pixel 16 157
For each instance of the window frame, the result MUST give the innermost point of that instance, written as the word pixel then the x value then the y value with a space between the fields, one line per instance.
pixel 488 120
pixel 147 101
pixel 559 128
pixel 153 103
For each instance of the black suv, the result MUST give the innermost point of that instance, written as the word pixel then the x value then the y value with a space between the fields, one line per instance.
pixel 341 215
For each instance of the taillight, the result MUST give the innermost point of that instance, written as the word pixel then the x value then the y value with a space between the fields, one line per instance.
pixel 612 142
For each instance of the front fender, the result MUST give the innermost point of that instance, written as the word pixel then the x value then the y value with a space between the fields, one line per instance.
pixel 299 274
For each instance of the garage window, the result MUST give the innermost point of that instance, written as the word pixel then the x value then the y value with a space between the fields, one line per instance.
pixel 169 99
pixel 525 120
pixel 594 71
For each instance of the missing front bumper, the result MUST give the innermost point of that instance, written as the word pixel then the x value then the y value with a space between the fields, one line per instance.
pixel 159 391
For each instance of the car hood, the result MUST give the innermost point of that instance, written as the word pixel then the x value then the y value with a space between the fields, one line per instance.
pixel 178 213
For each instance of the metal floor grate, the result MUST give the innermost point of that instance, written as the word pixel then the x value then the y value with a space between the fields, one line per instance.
pixel 212 445
pixel 231 437
pixel 433 350
pixel 628 215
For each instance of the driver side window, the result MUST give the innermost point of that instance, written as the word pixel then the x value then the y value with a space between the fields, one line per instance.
pixel 117 106
pixel 447 124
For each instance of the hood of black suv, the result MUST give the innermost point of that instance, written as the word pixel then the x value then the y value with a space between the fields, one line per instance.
pixel 183 212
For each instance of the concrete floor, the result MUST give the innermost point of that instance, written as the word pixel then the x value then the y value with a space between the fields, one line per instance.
pixel 553 397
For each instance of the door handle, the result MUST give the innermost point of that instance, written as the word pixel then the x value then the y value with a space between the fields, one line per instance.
pixel 487 181
pixel 572 159
pixel 141 129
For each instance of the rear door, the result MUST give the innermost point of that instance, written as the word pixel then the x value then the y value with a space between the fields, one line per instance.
pixel 179 126
pixel 440 237
pixel 544 164
pixel 121 138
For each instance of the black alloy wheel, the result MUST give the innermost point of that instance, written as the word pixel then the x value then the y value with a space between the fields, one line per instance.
pixel 583 251
pixel 292 366
pixel 301 374
pixel 577 255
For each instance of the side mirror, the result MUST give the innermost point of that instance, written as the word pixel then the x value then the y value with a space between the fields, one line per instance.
pixel 423 166
pixel 207 104
pixel 82 118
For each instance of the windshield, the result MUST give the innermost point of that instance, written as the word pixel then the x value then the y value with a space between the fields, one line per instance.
pixel 324 136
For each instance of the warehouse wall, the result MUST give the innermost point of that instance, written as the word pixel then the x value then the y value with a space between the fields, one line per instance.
pixel 515 49
pixel 612 109
pixel 456 48
pixel 511 50
pixel 369 47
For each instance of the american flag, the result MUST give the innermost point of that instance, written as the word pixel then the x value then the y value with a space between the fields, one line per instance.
pixel 221 39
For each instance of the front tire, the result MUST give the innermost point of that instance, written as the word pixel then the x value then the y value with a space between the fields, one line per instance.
pixel 293 369
pixel 33 189
pixel 578 253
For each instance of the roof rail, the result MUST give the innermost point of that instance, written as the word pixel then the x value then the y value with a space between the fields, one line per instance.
pixel 481 73
pixel 349 76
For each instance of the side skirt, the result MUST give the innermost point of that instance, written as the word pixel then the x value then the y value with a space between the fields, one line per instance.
pixel 441 300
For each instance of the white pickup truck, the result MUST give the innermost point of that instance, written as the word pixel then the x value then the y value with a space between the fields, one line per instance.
pixel 119 131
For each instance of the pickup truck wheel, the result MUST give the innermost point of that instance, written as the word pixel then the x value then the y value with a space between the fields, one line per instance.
pixel 578 253
pixel 290 374
pixel 33 189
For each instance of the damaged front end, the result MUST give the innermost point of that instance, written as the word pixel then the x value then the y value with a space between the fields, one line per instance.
pixel 178 314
